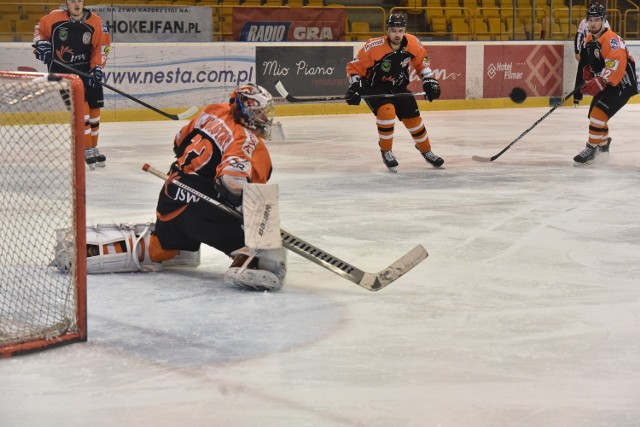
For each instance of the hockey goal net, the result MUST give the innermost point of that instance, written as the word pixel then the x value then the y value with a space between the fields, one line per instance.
pixel 41 191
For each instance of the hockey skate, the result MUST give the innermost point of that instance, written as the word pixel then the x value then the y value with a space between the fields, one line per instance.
pixel 433 160
pixel 604 147
pixel 389 160
pixel 263 272
pixel 93 158
pixel 587 155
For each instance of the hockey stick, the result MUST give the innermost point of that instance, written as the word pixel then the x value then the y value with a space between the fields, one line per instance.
pixel 369 281
pixel 492 158
pixel 188 113
pixel 290 98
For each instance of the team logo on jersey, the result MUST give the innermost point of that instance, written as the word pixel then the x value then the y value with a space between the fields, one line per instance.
pixel 86 38
pixel 385 66
pixel 63 34
pixel 614 44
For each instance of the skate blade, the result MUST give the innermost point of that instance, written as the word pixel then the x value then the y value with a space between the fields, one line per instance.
pixel 101 164
pixel 393 169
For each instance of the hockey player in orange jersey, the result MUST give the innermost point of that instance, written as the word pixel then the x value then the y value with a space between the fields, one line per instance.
pixel 382 67
pixel 217 153
pixel 610 77
pixel 77 38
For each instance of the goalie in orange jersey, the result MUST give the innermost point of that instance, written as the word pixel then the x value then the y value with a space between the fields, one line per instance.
pixel 217 154
pixel 382 67
pixel 610 77
pixel 77 37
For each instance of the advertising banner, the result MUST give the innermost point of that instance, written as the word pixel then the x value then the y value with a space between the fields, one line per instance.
pixel 635 52
pixel 449 66
pixel 536 68
pixel 255 24
pixel 165 76
pixel 154 24
pixel 304 71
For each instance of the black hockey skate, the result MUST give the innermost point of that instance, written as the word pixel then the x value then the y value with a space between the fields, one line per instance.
pixel 587 155
pixel 433 160
pixel 93 158
pixel 389 160
pixel 604 147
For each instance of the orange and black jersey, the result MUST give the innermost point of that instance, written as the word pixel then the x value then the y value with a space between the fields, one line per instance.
pixel 82 44
pixel 615 64
pixel 211 145
pixel 380 66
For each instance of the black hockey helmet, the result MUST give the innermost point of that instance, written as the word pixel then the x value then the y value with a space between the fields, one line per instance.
pixel 596 10
pixel 397 20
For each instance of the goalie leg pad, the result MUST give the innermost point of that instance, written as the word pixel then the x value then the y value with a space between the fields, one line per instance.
pixel 119 248
pixel 257 270
pixel 110 249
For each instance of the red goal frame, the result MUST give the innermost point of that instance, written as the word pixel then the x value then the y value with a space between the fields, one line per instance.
pixel 80 333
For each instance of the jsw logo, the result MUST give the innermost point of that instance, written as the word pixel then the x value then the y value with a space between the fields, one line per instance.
pixel 183 196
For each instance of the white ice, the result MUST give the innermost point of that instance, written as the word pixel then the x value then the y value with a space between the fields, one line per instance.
pixel 525 314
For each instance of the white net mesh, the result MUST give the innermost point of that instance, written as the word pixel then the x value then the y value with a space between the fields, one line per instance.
pixel 37 196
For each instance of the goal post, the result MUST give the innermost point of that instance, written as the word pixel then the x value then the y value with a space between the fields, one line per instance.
pixel 42 191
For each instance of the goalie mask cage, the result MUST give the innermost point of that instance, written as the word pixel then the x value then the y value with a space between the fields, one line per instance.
pixel 42 190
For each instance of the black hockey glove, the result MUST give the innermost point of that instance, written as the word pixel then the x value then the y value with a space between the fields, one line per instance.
pixel 353 93
pixel 431 88
pixel 43 51
pixel 226 197
pixel 96 76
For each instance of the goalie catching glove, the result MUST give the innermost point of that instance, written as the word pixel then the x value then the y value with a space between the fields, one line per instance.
pixel 431 88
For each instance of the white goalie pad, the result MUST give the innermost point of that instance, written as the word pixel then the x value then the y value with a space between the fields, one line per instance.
pixel 117 248
pixel 261 211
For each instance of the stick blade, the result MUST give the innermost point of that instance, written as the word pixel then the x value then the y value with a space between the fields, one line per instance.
pixel 375 282
pixel 482 159
pixel 281 90
pixel 186 114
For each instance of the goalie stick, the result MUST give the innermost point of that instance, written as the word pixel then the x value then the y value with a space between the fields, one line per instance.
pixel 185 114
pixel 290 98
pixel 492 158
pixel 369 281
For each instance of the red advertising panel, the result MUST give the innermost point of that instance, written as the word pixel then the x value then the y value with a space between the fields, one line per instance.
pixel 449 65
pixel 535 68
pixel 255 24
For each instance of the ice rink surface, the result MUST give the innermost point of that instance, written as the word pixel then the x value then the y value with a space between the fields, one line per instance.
pixel 525 314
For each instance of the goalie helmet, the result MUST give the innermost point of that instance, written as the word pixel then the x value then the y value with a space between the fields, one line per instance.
pixel 253 107
pixel 397 20
pixel 596 10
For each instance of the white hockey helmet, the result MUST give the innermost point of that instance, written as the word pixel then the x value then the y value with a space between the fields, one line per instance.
pixel 253 107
